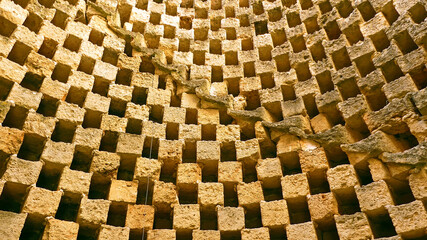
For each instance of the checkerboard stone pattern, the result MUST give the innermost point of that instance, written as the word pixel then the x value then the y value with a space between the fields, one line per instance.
pixel 213 119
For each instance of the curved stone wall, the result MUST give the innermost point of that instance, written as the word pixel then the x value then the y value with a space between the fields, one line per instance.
pixel 214 119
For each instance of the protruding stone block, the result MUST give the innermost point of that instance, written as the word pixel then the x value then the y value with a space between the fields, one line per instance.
pixel 269 172
pixel 299 231
pixel 322 207
pixel 418 184
pixel 374 197
pixel 342 179
pixel 189 175
pixel 186 217
pixel 250 194
pixel 230 219
pixel 11 224
pixel 11 140
pixel 352 227
pixel 93 212
pixel 409 220
pixel 248 152
pixel 105 163
pixel 42 202
pixel 21 171
pixel 230 173
pixel 146 168
pixel 60 230
pixel 210 195
pixel 74 182
pixel 161 234
pixel 110 232
pixel 140 217
pixel 206 235
pixel 165 196
pixel 57 154
pixel 123 191
pixel 275 214
pixel 255 233
pixel 295 186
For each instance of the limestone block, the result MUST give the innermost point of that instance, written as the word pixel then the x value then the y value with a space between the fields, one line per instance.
pixel 38 124
pixel 22 171
pixel 208 116
pixel 165 196
pixel 11 140
pixel 227 133
pixel 105 163
pixel 11 71
pixel 186 217
pixel 210 195
pixel 27 37
pixel 275 214
pixel 399 87
pixel 41 202
pixel 342 178
pixel 93 212
pixel 114 43
pixel 153 129
pixel 230 219
pixel 161 234
pixel 189 101
pixel 113 123
pixel 208 153
pixel 248 151
pixel 409 220
pixel 295 186
pixel 96 102
pixel 144 80
pixel 67 57
pixel 269 172
pixel 60 230
pixel 140 217
pixel 135 111
pixel 189 175
pixel 255 233
pixel 174 115
pixel 11 224
pixel 109 232
pixel 170 153
pixel 147 168
pixel 54 88
pixel 206 235
pixel 74 182
pixel 13 12
pixel 87 138
pixel 24 97
pixel 190 132
pixel 70 113
pixel 374 197
pixel 158 97
pixel 418 184
pixel 123 191
pixel 420 101
pixel 104 71
pixel 120 92
pixel 130 144
pixel 355 226
pixel 303 231
pixel 322 207
pixel 230 172
pixel 250 194
pixel 4 109
pixel 314 162
pixel 57 154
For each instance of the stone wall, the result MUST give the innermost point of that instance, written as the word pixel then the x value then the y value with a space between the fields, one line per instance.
pixel 232 119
